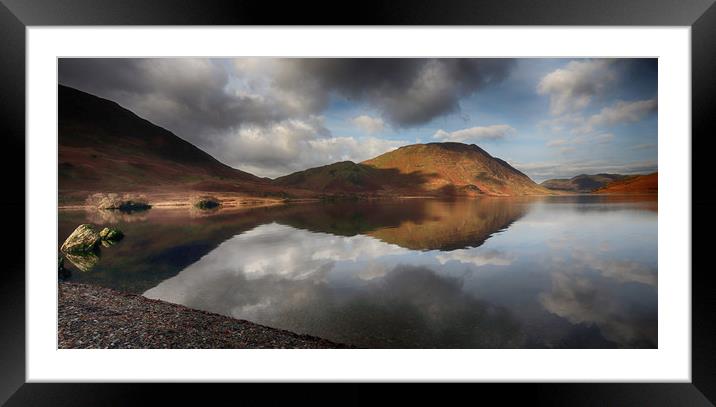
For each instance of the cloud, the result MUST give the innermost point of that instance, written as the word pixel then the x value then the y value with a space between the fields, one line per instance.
pixel 603 138
pixel 643 146
pixel 475 134
pixel 292 145
pixel 407 91
pixel 557 143
pixel 622 112
pixel 368 124
pixel 572 88
pixel 242 110
pixel 565 146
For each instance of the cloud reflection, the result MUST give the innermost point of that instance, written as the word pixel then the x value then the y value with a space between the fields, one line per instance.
pixel 336 288
pixel 583 300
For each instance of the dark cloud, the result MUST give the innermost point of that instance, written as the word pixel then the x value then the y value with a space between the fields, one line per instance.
pixel 189 96
pixel 406 91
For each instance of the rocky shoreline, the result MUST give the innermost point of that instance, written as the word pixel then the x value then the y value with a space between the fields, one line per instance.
pixel 96 317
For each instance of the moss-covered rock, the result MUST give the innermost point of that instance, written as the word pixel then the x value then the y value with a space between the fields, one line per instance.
pixel 111 234
pixel 84 239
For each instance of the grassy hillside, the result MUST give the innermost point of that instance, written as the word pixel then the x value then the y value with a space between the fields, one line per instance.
pixel 637 184
pixel 459 169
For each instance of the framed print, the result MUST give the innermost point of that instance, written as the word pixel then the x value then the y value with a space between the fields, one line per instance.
pixel 476 193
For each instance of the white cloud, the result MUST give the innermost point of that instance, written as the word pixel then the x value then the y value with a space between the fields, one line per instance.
pixel 622 112
pixel 604 138
pixel 351 148
pixel 573 87
pixel 644 146
pixel 287 146
pixel 565 146
pixel 475 134
pixel 557 142
pixel 369 124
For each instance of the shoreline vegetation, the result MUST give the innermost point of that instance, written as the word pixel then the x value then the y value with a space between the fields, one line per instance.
pixel 93 317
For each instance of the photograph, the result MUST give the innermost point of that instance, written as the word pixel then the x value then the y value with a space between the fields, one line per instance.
pixel 361 203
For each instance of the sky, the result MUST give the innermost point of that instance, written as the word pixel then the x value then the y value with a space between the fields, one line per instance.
pixel 549 118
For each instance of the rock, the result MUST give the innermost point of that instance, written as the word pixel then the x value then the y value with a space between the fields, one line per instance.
pixel 111 235
pixel 84 239
pixel 207 203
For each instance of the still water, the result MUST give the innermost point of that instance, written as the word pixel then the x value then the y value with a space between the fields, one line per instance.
pixel 557 272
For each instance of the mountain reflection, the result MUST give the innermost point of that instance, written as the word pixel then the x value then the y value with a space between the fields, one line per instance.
pixel 159 244
pixel 418 224
pixel 453 225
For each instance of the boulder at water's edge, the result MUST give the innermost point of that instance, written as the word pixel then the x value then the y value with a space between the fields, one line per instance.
pixel 84 239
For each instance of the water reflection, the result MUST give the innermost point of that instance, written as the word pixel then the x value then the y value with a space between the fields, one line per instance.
pixel 416 224
pixel 558 272
pixel 351 289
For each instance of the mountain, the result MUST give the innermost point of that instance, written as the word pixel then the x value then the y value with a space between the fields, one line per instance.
pixel 436 169
pixel 582 182
pixel 105 147
pixel 635 184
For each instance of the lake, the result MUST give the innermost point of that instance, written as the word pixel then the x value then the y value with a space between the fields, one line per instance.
pixel 549 272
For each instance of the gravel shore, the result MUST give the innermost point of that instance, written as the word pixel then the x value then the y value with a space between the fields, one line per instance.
pixel 96 317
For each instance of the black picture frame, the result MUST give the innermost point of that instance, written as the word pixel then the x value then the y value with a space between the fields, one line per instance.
pixel 16 15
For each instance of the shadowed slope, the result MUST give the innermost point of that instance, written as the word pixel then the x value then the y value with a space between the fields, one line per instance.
pixel 347 177
pixel 582 182
pixel 104 147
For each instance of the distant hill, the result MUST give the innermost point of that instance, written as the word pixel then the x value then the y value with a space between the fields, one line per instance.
pixel 582 182
pixel 636 184
pixel 345 176
pixel 438 169
pixel 104 147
